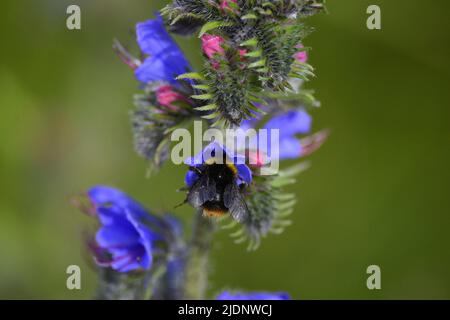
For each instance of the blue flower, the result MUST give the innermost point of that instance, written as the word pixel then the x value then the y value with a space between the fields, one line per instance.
pixel 215 152
pixel 289 124
pixel 226 295
pixel 125 241
pixel 165 60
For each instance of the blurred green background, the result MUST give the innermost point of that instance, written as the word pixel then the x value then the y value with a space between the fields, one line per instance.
pixel 377 193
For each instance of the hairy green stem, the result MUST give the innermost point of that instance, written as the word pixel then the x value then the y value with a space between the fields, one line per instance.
pixel 197 268
pixel 114 285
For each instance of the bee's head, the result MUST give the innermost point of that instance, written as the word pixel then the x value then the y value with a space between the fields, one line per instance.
pixel 221 170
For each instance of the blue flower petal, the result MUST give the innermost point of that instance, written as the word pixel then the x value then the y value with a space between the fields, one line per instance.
pixel 153 69
pixel 108 215
pixel 226 295
pixel 125 260
pixel 195 160
pixel 164 67
pixel 104 196
pixel 146 261
pixel 244 173
pixel 166 60
pixel 254 120
pixel 212 150
pixel 147 237
pixel 152 36
pixel 128 231
pixel 290 148
pixel 190 178
pixel 290 123
pixel 248 124
pixel 121 233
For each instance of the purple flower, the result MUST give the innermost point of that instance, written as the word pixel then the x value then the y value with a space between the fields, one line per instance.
pixel 165 60
pixel 289 124
pixel 215 152
pixel 249 123
pixel 226 295
pixel 125 240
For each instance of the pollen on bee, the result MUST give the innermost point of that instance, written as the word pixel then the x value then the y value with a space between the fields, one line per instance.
pixel 213 213
pixel 233 168
pixel 230 166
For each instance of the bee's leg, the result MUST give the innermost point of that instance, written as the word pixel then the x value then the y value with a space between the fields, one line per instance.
pixel 180 204
pixel 196 170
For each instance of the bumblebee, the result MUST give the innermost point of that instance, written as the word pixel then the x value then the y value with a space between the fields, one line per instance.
pixel 218 188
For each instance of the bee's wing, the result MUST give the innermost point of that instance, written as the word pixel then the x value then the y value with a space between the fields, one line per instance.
pixel 234 201
pixel 204 189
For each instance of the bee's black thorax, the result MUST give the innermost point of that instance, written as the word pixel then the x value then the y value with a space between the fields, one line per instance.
pixel 222 175
pixel 219 176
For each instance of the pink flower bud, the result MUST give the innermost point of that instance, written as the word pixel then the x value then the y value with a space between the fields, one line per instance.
pixel 212 45
pixel 225 4
pixel 166 96
pixel 242 52
pixel 258 158
pixel 301 56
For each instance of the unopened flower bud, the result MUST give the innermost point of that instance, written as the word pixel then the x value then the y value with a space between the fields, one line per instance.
pixel 167 96
pixel 301 56
pixel 212 45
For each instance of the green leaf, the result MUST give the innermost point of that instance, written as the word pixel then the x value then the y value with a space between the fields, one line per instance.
pixel 251 106
pixel 269 4
pixel 207 107
pixel 249 16
pixel 183 16
pixel 201 87
pixel 213 25
pixel 295 169
pixel 219 123
pixel 253 42
pixel 256 99
pixel 254 54
pixel 257 64
pixel 234 6
pixel 191 75
pixel 211 116
pixel 206 96
pixel 280 182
